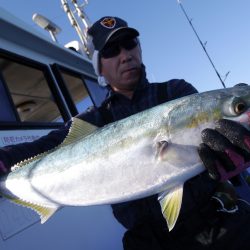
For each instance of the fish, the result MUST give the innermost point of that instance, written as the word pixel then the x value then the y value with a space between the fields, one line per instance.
pixel 153 152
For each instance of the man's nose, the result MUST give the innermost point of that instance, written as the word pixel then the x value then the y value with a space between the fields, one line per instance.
pixel 125 55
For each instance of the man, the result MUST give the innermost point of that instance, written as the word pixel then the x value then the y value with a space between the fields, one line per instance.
pixel 118 63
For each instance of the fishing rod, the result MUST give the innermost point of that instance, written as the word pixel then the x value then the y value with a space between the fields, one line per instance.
pixel 202 45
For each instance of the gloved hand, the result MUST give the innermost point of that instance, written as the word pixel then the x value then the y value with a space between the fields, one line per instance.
pixel 225 151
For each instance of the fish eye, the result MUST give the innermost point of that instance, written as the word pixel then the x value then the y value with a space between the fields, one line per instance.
pixel 239 107
pixel 234 106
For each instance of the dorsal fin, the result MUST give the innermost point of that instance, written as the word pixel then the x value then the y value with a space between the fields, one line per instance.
pixel 78 129
pixel 26 161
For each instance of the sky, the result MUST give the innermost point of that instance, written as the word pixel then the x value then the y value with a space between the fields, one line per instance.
pixel 170 47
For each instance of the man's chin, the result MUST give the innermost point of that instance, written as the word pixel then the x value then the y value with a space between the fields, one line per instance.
pixel 131 77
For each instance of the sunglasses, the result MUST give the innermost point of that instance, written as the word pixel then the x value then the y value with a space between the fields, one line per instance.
pixel 114 49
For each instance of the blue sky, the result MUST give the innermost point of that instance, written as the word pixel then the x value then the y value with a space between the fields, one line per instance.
pixel 170 48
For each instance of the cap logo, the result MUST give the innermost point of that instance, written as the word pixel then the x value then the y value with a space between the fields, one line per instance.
pixel 108 22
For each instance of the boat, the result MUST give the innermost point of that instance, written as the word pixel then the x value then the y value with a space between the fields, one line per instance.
pixel 42 85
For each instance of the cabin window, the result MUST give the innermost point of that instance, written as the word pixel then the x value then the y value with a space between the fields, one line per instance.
pixel 98 93
pixel 6 113
pixel 29 92
pixel 77 90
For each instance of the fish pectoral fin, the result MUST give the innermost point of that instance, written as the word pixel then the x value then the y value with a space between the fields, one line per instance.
pixel 79 129
pixel 44 212
pixel 161 150
pixel 171 204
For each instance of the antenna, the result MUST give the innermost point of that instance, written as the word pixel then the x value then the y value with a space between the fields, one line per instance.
pixel 82 15
pixel 81 31
pixel 202 45
pixel 46 24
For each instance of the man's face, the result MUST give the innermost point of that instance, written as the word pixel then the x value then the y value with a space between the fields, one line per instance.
pixel 121 65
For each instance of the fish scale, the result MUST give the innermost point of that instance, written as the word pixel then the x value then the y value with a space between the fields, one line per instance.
pixel 152 152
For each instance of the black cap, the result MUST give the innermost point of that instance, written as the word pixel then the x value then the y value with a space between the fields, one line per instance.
pixel 109 29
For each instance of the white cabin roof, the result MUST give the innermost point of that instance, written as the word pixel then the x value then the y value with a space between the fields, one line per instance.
pixel 37 46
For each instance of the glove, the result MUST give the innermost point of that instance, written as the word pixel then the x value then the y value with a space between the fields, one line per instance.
pixel 225 151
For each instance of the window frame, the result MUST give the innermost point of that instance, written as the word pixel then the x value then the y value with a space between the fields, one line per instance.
pixel 52 85
pixel 57 70
pixel 9 98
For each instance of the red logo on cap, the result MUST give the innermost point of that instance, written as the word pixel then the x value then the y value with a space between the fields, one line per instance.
pixel 108 22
